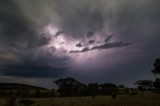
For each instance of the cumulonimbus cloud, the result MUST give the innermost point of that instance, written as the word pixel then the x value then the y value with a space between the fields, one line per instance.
pixel 22 21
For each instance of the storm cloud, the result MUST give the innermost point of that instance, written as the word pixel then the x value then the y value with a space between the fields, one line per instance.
pixel 97 29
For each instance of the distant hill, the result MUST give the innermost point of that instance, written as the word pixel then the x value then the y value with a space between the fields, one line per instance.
pixel 16 86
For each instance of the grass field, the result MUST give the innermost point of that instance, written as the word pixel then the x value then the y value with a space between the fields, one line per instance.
pixel 134 100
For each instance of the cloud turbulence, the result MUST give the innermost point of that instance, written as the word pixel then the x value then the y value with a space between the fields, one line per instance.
pixel 100 39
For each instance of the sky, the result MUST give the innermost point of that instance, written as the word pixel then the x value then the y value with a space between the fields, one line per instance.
pixel 100 41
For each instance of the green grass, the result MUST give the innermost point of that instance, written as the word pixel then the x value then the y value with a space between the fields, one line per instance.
pixel 135 100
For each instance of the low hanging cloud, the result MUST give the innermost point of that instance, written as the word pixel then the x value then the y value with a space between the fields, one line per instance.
pixel 103 46
pixel 112 45
pixel 36 71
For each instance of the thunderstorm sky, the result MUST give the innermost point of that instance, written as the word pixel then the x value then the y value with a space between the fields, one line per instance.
pixel 91 40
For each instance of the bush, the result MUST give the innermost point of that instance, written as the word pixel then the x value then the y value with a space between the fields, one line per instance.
pixel 134 93
pixel 114 95
pixel 26 102
pixel 11 101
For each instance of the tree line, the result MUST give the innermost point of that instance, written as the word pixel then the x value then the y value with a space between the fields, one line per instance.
pixel 71 87
pixel 149 84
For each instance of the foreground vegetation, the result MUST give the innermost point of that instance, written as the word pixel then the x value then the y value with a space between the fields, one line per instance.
pixel 147 99
pixel 74 93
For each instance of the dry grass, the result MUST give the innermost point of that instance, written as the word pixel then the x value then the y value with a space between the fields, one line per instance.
pixel 135 100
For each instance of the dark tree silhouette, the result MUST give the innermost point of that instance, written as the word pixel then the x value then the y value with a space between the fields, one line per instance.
pixel 157 83
pixel 156 65
pixel 93 89
pixel 156 71
pixel 109 89
pixel 37 93
pixel 70 87
pixel 144 84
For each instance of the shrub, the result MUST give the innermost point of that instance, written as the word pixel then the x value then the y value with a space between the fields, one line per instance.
pixel 26 102
pixel 11 101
